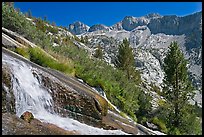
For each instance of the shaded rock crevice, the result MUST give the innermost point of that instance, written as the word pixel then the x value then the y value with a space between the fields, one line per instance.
pixel 8 98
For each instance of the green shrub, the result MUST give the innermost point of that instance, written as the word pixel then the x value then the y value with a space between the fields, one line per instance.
pixel 142 120
pixel 53 30
pixel 17 22
pixel 39 57
pixel 174 131
pixel 23 52
pixel 123 114
pixel 160 124
pixel 156 89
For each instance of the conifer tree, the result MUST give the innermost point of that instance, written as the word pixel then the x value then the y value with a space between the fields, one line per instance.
pixel 82 39
pixel 86 39
pixel 98 52
pixel 53 23
pixel 125 58
pixel 178 89
pixel 45 18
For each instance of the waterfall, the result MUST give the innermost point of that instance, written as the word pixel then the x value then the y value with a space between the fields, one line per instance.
pixel 31 96
pixel 27 91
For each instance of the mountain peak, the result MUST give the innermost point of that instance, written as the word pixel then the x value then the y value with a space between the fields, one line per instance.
pixel 152 20
pixel 153 15
pixel 98 27
pixel 78 28
pixel 130 22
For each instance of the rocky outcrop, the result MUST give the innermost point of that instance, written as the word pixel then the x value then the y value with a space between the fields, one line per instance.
pixel 153 16
pixel 8 98
pixel 129 22
pixel 174 25
pixel 167 25
pixel 139 36
pixel 118 26
pixel 98 27
pixel 69 103
pixel 149 66
pixel 151 126
pixel 190 25
pixel 78 28
pixel 115 121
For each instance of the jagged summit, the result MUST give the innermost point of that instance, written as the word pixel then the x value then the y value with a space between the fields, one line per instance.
pixel 153 15
pixel 168 24
pixel 78 28
pixel 130 22
pixel 98 27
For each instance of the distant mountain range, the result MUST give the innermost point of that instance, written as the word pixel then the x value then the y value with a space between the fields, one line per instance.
pixel 171 24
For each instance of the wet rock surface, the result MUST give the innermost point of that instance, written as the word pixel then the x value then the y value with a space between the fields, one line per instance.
pixel 13 125
pixel 69 103
pixel 8 99
pixel 115 121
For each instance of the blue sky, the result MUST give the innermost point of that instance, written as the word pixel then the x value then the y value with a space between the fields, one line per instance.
pixel 107 13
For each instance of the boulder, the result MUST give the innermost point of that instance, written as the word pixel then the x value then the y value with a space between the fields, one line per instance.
pixel 27 116
pixel 152 126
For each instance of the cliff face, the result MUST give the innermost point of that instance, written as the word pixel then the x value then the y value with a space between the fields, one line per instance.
pixel 174 25
pixel 190 25
pixel 129 22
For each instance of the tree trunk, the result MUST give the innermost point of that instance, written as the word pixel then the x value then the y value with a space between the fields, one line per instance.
pixel 176 100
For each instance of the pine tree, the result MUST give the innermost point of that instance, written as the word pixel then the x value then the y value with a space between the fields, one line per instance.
pixel 125 58
pixel 86 39
pixel 178 88
pixel 98 52
pixel 45 18
pixel 53 24
pixel 82 39
pixel 145 106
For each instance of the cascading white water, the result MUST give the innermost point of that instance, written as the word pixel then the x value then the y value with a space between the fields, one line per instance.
pixel 27 91
pixel 31 96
